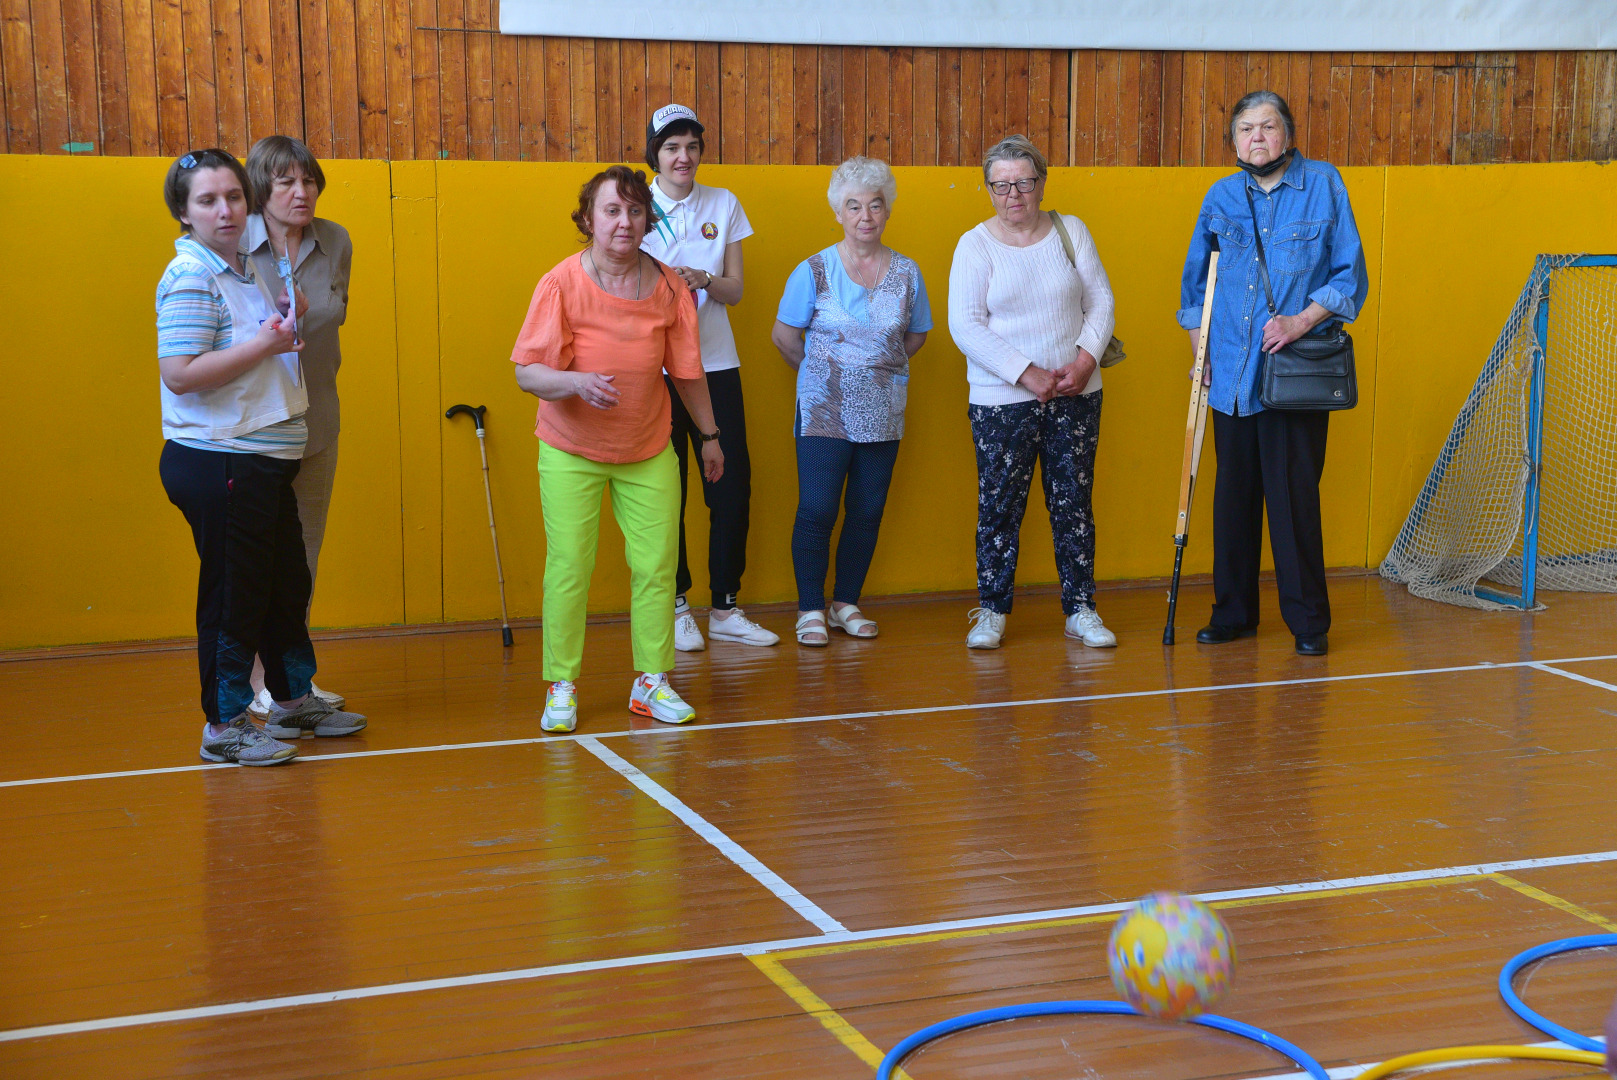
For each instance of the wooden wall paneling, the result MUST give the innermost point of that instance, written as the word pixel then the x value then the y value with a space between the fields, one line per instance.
pixel 949 108
pixel 581 102
pixel 1040 108
pixel 386 83
pixel 1566 75
pixel 633 101
pixel 315 52
pixel 230 91
pixel 286 65
pixel 1215 111
pixel 558 100
pixel 1403 109
pixel 1361 109
pixel 19 87
pixel 924 106
pixel 1018 106
pixel 971 106
pixel 50 75
pixel 1193 108
pixel 1150 99
pixel 111 109
pixel 853 102
pixel 1445 91
pixel 1484 108
pixel 531 97
pixel 1108 85
pixel 1173 104
pixel 454 123
pixel 993 95
pixel 1060 106
pixel 1340 109
pixel 659 76
pixel 1420 120
pixel 258 70
pixel 1256 75
pixel 140 74
pixel 782 105
pixel 1504 107
pixel 173 108
pixel 1128 108
pixel 342 51
pixel 805 74
pixel 507 77
pixel 878 103
pixel 1465 108
pixel 1236 85
pixel 479 52
pixel 901 105
pixel 1081 121
pixel 1317 106
pixel 5 124
pixel 733 95
pixel 756 114
pixel 1381 110
pixel 828 133
pixel 705 97
pixel 1603 135
pixel 1582 107
pixel 1543 104
pixel 682 74
pixel 426 109
pixel 614 136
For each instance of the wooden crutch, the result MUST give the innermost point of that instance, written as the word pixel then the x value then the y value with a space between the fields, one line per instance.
pixel 1195 426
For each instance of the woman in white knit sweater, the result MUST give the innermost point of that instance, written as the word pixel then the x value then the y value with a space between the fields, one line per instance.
pixel 1033 320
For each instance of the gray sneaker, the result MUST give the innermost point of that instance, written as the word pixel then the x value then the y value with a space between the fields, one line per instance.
pixel 244 744
pixel 313 717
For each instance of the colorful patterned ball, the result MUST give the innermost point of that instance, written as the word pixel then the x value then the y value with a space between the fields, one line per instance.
pixel 1171 957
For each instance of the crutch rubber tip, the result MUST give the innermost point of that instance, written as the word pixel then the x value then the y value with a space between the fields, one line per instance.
pixel 505 636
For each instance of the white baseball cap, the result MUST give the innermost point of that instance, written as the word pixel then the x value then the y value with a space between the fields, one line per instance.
pixel 667 115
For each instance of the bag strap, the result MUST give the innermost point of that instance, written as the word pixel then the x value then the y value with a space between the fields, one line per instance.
pixel 1066 238
pixel 1263 264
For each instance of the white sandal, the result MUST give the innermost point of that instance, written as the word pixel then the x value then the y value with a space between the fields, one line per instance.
pixel 853 623
pixel 812 622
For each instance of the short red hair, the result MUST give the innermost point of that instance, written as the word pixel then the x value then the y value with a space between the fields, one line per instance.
pixel 632 187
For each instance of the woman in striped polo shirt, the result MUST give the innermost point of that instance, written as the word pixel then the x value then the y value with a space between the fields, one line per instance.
pixel 233 399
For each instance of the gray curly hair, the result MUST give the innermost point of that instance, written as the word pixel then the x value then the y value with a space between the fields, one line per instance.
pixel 1016 148
pixel 861 174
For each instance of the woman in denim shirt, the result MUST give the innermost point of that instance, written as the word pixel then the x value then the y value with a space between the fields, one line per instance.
pixel 1316 269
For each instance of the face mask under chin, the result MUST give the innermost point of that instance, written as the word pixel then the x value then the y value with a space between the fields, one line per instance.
pixel 1269 169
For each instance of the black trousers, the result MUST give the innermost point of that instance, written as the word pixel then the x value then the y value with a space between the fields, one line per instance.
pixel 729 502
pixel 254 585
pixel 1275 458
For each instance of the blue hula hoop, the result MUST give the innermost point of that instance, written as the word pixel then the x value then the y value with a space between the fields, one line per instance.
pixel 1507 988
pixel 1108 1008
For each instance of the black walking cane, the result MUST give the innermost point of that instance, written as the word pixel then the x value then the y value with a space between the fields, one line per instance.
pixel 488 495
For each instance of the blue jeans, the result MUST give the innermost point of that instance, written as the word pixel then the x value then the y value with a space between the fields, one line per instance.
pixel 824 467
pixel 1061 435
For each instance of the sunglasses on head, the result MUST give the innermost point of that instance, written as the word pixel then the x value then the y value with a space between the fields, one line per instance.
pixel 198 158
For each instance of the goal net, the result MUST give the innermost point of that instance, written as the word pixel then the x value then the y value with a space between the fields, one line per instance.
pixel 1523 495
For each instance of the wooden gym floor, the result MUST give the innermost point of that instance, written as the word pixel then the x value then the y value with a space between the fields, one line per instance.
pixel 850 843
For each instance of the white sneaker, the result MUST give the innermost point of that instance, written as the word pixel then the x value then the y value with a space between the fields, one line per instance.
pixel 737 627
pixel 652 696
pixel 561 708
pixel 687 638
pixel 262 704
pixel 1085 625
pixel 987 627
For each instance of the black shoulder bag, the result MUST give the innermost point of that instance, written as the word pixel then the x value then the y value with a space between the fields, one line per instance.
pixel 1312 373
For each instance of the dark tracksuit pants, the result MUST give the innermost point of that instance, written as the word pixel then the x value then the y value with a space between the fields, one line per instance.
pixel 1275 458
pixel 729 500
pixel 253 588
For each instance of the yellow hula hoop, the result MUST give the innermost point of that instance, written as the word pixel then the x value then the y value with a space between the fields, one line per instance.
pixel 1481 1053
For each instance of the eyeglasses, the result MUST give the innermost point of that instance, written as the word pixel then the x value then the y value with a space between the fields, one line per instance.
pixel 1003 187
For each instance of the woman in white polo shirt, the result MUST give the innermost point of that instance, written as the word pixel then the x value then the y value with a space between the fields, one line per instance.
pixel 698 233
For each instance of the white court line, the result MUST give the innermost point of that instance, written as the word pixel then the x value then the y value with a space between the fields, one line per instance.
pixel 1572 675
pixel 757 948
pixel 713 835
pixel 873 714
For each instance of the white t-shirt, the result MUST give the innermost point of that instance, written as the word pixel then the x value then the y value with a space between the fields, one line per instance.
pixel 694 232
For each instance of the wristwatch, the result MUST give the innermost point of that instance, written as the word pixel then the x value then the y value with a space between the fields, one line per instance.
pixel 708 438
pixel 709 280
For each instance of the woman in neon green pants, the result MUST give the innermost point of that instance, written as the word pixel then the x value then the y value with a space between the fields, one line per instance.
pixel 602 328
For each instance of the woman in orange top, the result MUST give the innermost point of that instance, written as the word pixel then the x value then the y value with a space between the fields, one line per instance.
pixel 602 328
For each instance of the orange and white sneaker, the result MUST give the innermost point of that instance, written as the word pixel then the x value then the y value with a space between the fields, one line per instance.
pixel 652 696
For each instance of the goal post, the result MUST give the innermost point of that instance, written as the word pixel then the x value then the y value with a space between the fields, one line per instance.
pixel 1523 495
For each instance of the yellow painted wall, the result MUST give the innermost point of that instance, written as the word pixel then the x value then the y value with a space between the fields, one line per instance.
pixel 447 254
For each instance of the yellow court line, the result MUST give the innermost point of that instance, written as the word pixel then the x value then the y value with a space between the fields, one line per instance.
pixel 817 1007
pixel 1554 901
pixel 1111 916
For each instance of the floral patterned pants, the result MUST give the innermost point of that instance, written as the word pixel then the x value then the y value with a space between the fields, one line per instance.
pixel 1061 435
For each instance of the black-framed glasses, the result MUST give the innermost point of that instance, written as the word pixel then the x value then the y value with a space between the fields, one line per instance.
pixel 1003 187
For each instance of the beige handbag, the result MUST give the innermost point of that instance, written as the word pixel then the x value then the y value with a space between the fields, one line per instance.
pixel 1114 353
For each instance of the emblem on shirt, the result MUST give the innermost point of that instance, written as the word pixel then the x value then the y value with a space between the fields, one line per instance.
pixel 710 231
